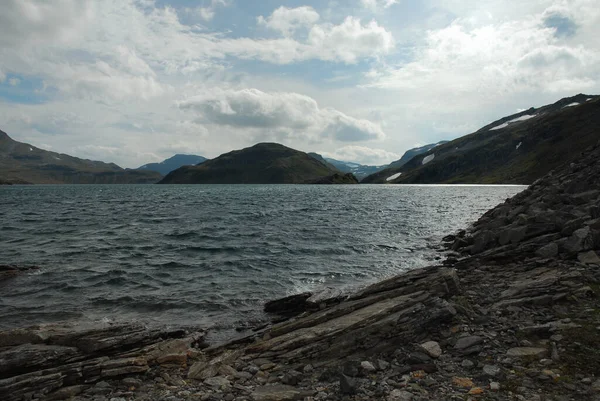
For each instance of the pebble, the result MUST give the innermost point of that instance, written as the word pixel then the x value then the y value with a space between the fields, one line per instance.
pixel 491 370
pixel 466 363
pixel 432 348
pixel 367 367
pixel 495 386
pixel 468 342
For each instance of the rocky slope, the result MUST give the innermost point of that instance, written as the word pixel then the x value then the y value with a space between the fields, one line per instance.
pixel 264 163
pixel 512 313
pixel 21 163
pixel 517 149
pixel 173 163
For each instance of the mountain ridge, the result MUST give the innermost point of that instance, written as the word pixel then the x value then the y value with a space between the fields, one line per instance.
pixel 22 163
pixel 516 149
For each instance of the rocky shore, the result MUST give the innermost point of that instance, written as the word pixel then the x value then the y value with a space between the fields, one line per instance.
pixel 512 313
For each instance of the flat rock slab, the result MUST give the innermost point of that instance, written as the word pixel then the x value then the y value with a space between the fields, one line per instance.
pixel 467 342
pixel 520 352
pixel 279 393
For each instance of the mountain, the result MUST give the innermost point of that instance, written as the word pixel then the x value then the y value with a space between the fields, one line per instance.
pixel 409 154
pixel 360 171
pixel 264 163
pixel 517 149
pixel 21 163
pixel 173 163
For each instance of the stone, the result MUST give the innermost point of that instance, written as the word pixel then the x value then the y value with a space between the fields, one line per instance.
pixel 466 363
pixel 548 251
pixel 432 348
pixel 495 386
pixel 491 370
pixel 279 393
pixel 288 306
pixel 367 367
pixel 482 241
pixel 347 385
pixel 218 383
pixel 580 241
pixel 589 258
pixel 464 382
pixel 400 395
pixel 66 393
pixel 476 391
pixel 512 235
pixel 467 342
pixel 382 365
pixel 292 378
pixel 521 352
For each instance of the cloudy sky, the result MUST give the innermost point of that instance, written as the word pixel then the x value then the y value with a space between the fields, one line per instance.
pixel 136 81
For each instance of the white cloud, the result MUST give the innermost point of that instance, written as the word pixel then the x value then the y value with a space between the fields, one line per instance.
pixel 2 76
pixel 364 155
pixel 505 57
pixel 288 20
pixel 208 13
pixel 14 81
pixel 286 114
pixel 377 4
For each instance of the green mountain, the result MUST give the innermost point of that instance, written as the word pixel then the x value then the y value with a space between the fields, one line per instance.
pixel 21 163
pixel 516 149
pixel 173 163
pixel 264 163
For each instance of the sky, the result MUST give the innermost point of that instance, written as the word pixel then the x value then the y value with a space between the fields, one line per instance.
pixel 136 81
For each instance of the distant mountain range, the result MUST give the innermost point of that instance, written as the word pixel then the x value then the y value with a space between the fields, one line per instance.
pixel 173 163
pixel 360 171
pixel 21 163
pixel 517 149
pixel 264 163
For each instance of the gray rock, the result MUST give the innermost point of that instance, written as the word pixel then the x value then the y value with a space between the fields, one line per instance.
pixel 279 393
pixel 218 383
pixel 432 349
pixel 400 395
pixel 466 363
pixel 467 342
pixel 589 258
pixel 482 241
pixel 580 241
pixel 548 251
pixel 347 385
pixel 491 370
pixel 367 367
pixel 512 235
pixel 519 352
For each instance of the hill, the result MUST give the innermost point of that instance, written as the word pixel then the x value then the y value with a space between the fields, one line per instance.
pixel 173 163
pixel 264 163
pixel 21 163
pixel 516 149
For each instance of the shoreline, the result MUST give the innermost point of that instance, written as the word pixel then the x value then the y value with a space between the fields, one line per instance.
pixel 513 313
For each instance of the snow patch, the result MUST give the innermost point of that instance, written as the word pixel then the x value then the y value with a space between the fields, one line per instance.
pixel 588 99
pixel 427 159
pixel 393 177
pixel 514 120
pixel 31 149
pixel 571 105
pixel 519 145
pixel 57 158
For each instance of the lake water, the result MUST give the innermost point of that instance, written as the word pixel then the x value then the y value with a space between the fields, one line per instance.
pixel 212 255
